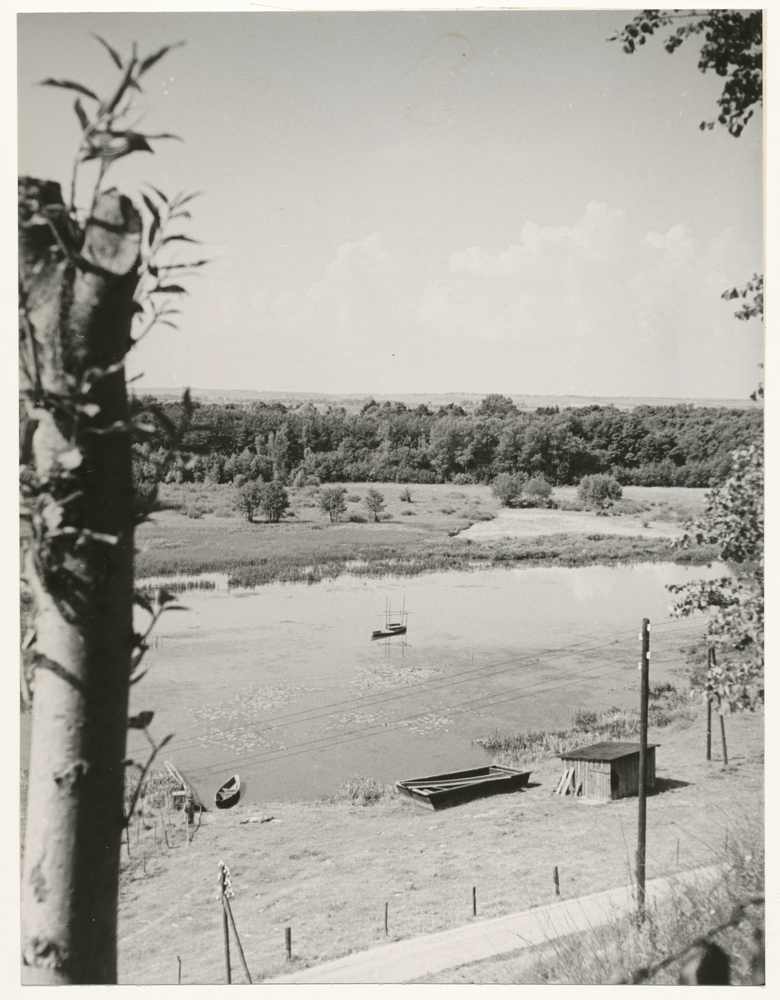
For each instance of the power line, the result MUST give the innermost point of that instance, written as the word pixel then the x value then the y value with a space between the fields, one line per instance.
pixel 431 686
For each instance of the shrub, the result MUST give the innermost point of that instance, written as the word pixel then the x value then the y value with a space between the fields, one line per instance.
pixel 599 491
pixel 356 518
pixel 332 501
pixel 508 488
pixel 363 791
pixel 408 513
pixel 375 503
pixel 248 499
pixel 272 499
pixel 538 490
pixel 463 479
pixel 406 496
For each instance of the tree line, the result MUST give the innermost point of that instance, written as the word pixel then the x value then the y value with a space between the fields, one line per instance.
pixel 676 445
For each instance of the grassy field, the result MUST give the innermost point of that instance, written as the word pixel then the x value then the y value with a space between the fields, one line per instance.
pixel 201 532
pixel 327 869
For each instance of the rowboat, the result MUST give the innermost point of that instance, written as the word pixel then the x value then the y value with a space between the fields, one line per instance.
pixel 439 791
pixel 388 630
pixel 228 794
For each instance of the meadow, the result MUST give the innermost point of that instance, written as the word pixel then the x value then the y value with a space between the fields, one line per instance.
pixel 200 531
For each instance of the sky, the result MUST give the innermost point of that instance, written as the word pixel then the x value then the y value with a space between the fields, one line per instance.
pixel 440 201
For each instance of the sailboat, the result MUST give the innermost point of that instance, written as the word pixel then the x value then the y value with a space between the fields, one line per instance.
pixel 395 624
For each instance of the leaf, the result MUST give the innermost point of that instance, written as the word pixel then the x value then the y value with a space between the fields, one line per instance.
pixel 179 236
pixel 151 60
pixel 179 267
pixel 152 207
pixel 143 601
pixel 166 135
pixel 112 52
pixel 140 721
pixel 183 201
pixel 173 289
pixel 159 193
pixel 70 459
pixel 153 232
pixel 82 115
pixel 164 597
pixel 69 85
pixel 112 145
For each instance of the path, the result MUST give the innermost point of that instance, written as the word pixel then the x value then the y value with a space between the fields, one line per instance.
pixel 410 960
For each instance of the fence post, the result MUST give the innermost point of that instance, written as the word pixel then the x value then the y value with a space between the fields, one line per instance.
pixel 288 942
pixel 386 906
pixel 555 880
pixel 225 928
pixel 642 823
pixel 474 901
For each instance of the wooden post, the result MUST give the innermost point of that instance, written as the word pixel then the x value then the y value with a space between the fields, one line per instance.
pixel 722 720
pixel 178 959
pixel 225 928
pixel 556 882
pixel 711 662
pixel 288 942
pixel 229 909
pixel 386 906
pixel 642 822
pixel 474 901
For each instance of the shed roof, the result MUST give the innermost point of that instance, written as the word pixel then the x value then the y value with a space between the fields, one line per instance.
pixel 610 750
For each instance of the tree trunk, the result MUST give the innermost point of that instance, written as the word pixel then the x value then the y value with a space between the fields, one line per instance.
pixel 76 295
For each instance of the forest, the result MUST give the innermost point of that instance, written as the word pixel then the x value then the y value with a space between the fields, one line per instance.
pixel 679 445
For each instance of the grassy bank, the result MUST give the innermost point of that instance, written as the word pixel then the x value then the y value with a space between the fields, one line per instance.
pixel 327 869
pixel 416 536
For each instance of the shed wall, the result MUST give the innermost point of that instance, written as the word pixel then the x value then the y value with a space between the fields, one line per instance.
pixel 617 779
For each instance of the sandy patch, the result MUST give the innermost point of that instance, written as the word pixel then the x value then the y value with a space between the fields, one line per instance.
pixel 531 523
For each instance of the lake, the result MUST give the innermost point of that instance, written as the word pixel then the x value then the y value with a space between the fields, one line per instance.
pixel 283 684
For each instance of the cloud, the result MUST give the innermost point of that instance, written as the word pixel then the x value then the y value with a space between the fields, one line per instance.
pixel 591 308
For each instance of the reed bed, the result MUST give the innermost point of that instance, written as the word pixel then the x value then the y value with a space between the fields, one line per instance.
pixel 667 705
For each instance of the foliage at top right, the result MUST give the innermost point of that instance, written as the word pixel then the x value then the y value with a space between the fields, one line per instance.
pixel 733 47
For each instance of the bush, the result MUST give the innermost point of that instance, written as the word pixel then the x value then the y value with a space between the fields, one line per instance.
pixel 375 503
pixel 406 496
pixel 508 488
pixel 248 499
pixel 463 479
pixel 599 491
pixel 537 488
pixel 332 501
pixel 363 791
pixel 272 500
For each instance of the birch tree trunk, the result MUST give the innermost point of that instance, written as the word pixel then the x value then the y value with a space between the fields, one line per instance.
pixel 76 307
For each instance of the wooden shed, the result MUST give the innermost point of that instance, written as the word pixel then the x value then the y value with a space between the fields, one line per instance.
pixel 605 770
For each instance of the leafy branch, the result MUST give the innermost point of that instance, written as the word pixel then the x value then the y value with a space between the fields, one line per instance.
pixel 733 47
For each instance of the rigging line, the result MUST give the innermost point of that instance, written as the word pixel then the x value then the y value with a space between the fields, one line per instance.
pixel 373 729
pixel 432 686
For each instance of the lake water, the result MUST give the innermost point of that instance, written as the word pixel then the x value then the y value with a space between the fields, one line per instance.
pixel 283 684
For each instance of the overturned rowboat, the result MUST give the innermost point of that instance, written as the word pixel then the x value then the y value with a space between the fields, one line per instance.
pixel 440 791
pixel 229 793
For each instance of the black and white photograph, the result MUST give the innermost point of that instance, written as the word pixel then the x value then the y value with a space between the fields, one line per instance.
pixel 391 493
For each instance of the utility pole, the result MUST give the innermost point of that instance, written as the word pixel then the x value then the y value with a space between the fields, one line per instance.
pixel 644 666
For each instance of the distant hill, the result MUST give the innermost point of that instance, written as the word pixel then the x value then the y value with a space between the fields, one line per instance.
pixel 468 400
